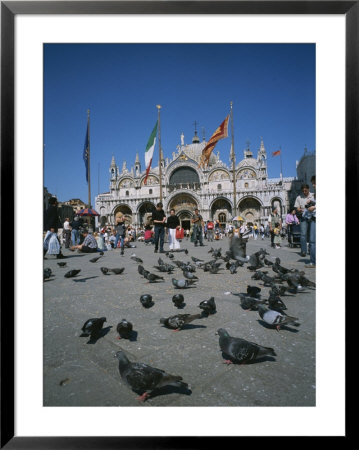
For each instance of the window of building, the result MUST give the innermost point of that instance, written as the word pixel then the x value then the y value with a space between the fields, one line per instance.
pixel 127 193
pixel 222 218
pixel 219 187
pixel 246 185
pixel 150 191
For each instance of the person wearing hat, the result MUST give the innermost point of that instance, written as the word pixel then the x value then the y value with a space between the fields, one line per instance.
pixel 197 228
pixel 274 218
pixel 159 219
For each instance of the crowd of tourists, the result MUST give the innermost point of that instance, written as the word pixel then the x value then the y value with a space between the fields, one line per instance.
pixel 76 235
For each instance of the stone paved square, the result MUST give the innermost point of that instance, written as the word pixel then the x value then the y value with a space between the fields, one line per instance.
pixel 78 373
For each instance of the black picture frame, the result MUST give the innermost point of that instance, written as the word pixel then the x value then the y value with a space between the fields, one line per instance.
pixel 9 9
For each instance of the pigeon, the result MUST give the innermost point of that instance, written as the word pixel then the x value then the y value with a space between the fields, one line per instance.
pixel 189 275
pixel 278 290
pixel 92 327
pixel 164 268
pixel 217 253
pixel 104 270
pixel 138 260
pixel 170 255
pixel 239 350
pixel 101 253
pixel 146 300
pixel 153 278
pixel 248 302
pixel 275 318
pixel 178 321
pixel 186 251
pixel 267 262
pixel 233 268
pixel 145 379
pixel 145 273
pixel 72 273
pixel 117 271
pixel 275 303
pixel 214 269
pixel 140 269
pixel 276 267
pixel 62 264
pixel 182 284
pixel 195 260
pixel 47 273
pixel 178 300
pixel 208 306
pixel 253 291
pixel 124 329
pixel 93 260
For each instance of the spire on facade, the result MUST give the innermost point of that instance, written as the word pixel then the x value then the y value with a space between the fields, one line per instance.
pixel 195 139
pixel 137 158
pixel 113 162
pixel 248 152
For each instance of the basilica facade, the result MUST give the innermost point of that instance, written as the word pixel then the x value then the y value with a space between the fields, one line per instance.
pixel 185 187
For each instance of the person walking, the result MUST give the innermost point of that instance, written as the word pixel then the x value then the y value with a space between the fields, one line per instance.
pixel 197 228
pixel 303 202
pixel 67 232
pixel 76 224
pixel 159 219
pixel 51 225
pixel 120 228
pixel 173 224
pixel 273 219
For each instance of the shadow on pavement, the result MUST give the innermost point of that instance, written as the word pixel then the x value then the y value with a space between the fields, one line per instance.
pixel 101 334
pixel 282 327
pixel 82 280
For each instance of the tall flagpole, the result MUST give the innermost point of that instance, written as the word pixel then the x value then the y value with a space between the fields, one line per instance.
pixel 88 159
pixel 281 170
pixel 159 150
pixel 233 167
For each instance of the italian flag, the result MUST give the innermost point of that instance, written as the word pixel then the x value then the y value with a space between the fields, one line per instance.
pixel 149 150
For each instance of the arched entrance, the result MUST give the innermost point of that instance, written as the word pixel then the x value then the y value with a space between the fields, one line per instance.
pixel 184 206
pixel 185 219
pixel 250 210
pixel 221 210
pixel 123 210
pixel 145 213
pixel 276 203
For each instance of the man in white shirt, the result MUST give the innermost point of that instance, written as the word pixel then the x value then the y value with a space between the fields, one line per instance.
pixel 67 232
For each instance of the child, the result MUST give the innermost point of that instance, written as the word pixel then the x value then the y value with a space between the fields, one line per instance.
pixel 277 239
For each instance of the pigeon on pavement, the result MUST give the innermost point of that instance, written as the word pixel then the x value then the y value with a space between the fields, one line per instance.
pixel 61 264
pixel 239 350
pixel 146 300
pixel 152 277
pixel 275 318
pixel 189 275
pixel 138 260
pixel 104 270
pixel 124 329
pixel 182 284
pixel 178 321
pixel 47 273
pixel 178 300
pixel 145 379
pixel 208 306
pixel 92 327
pixel 117 271
pixel 93 260
pixel 72 273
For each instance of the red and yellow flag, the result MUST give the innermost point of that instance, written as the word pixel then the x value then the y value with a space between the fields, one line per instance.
pixel 276 153
pixel 220 133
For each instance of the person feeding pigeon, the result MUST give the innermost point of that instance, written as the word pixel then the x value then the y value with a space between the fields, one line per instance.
pixel 120 228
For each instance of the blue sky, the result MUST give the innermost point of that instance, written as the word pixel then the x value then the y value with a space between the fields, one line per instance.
pixel 272 87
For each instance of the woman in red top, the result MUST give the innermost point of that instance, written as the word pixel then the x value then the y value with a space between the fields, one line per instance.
pixel 149 235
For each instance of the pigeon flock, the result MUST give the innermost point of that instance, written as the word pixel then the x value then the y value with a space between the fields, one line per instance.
pixel 144 379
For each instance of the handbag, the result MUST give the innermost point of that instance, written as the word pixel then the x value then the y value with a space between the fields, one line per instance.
pixel 180 233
